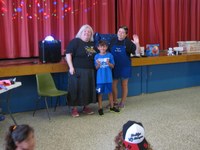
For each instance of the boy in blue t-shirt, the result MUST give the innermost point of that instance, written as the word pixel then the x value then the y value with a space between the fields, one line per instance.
pixel 104 62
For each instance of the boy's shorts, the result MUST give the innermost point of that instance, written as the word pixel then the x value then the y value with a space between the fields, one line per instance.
pixel 104 88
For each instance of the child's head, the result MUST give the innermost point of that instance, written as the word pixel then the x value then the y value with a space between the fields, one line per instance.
pixel 132 137
pixel 102 46
pixel 20 137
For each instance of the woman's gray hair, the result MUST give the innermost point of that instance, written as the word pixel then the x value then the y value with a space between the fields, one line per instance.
pixel 78 35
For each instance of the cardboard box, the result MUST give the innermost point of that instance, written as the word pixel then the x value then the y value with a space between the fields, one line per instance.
pixel 190 46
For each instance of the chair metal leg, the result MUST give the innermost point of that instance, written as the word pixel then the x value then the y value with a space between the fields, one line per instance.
pixel 57 100
pixel 47 108
pixel 51 101
pixel 36 106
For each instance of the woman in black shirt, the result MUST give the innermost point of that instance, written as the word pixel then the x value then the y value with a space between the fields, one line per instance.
pixel 81 78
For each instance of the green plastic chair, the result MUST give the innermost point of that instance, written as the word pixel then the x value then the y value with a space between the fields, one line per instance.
pixel 47 88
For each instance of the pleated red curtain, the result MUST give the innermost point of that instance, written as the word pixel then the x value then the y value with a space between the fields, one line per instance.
pixel 161 21
pixel 181 21
pixel 23 23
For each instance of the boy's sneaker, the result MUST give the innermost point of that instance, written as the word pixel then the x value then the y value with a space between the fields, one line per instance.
pixel 100 112
pixel 121 105
pixel 87 111
pixel 75 112
pixel 2 117
pixel 114 109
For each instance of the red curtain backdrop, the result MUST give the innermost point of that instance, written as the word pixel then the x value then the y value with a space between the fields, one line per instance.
pixel 23 23
pixel 161 21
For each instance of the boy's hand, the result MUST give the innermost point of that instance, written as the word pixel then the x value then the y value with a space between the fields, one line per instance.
pixel 109 64
pixel 107 61
pixel 98 62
